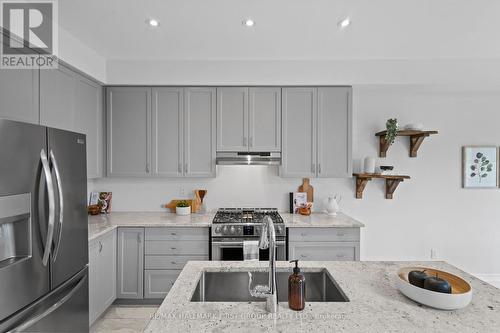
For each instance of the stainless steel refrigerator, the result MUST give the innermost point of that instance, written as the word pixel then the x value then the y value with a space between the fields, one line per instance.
pixel 43 229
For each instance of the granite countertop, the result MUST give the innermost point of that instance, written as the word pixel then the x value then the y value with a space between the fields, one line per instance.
pixel 375 305
pixel 101 224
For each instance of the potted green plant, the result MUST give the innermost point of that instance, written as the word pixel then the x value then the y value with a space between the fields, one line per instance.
pixel 391 130
pixel 183 208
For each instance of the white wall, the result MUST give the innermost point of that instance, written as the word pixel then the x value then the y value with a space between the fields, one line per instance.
pixel 431 210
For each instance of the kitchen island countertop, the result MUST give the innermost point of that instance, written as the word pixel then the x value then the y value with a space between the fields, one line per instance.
pixel 375 305
pixel 101 224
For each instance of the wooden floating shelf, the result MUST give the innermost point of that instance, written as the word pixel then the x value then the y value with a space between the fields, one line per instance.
pixel 391 183
pixel 416 139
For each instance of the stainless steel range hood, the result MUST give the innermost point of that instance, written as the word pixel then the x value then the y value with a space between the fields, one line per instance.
pixel 248 158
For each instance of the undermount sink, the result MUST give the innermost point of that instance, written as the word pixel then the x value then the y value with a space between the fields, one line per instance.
pixel 233 287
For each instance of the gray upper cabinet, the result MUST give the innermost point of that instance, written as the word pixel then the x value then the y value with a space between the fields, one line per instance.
pixel 130 268
pixel 58 98
pixel 89 119
pixel 19 91
pixel 232 119
pixel 167 132
pixel 317 132
pixel 299 114
pixel 199 132
pixel 334 132
pixel 264 132
pixel 129 128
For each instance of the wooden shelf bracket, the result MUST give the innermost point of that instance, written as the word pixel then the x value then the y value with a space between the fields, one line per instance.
pixel 391 183
pixel 416 139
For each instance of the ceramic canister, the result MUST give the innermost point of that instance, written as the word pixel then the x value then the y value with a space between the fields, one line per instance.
pixel 369 164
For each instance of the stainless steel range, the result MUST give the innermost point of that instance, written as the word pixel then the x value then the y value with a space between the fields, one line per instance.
pixel 232 226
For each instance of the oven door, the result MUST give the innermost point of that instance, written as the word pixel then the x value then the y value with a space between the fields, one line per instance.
pixel 231 249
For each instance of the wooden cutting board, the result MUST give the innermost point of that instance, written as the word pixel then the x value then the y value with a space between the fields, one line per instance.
pixel 307 188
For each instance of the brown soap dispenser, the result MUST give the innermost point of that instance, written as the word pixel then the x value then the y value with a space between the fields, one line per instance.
pixel 296 289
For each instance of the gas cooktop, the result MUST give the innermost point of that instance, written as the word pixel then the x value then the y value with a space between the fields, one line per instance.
pixel 245 222
pixel 246 215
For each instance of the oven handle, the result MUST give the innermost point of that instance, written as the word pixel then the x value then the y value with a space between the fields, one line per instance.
pixel 239 243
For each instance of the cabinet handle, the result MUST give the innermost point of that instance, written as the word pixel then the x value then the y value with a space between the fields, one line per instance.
pixel 173 262
pixel 173 234
pixel 180 168
pixel 139 238
pixel 244 141
pixel 147 167
pixel 100 246
pixel 303 234
pixel 173 248
pixel 340 255
pixel 319 168
pixel 186 168
pixel 250 142
pixel 313 168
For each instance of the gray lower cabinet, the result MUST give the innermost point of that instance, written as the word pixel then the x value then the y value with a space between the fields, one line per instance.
pixel 249 119
pixel 167 250
pixel 130 267
pixel 19 91
pixel 317 132
pixel 102 274
pixel 323 244
pixel 129 131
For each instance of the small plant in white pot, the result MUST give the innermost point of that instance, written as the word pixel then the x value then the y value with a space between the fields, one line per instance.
pixel 183 208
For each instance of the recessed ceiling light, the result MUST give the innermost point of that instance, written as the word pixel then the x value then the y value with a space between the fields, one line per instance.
pixel 344 23
pixel 153 22
pixel 248 22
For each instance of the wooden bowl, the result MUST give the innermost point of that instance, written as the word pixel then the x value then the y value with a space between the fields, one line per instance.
pixel 461 291
pixel 94 209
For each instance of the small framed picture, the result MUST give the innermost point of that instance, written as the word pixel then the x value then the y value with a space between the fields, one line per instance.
pixel 479 167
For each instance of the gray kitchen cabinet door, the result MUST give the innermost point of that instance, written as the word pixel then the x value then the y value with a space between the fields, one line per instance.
pixel 324 251
pixel 157 283
pixel 94 305
pixel 58 98
pixel 89 119
pixel 199 132
pixel 107 270
pixel 299 110
pixel 130 267
pixel 232 119
pixel 334 132
pixel 264 119
pixel 128 131
pixel 19 91
pixel 167 132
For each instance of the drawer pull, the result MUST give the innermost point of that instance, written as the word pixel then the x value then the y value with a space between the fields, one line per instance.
pixel 173 234
pixel 341 234
pixel 303 234
pixel 173 262
pixel 173 248
pixel 340 255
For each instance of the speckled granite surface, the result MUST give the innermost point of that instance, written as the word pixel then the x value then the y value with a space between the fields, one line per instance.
pixel 375 304
pixel 100 224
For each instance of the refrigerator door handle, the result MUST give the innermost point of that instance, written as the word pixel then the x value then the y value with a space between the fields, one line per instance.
pixel 52 208
pixel 61 203
pixel 39 316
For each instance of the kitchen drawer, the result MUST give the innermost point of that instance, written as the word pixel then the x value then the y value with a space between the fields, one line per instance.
pixel 167 233
pixel 324 251
pixel 157 283
pixel 171 262
pixel 199 247
pixel 323 234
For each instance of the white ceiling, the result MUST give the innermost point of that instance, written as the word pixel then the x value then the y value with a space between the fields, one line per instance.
pixel 286 29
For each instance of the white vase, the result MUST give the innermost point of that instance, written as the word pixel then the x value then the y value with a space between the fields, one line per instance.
pixel 332 204
pixel 369 164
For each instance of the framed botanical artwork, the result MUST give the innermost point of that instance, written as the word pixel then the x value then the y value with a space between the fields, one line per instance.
pixel 479 167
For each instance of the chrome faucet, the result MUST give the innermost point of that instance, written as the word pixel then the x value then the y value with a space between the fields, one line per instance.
pixel 269 292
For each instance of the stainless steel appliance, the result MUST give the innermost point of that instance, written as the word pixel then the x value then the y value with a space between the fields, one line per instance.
pixel 232 226
pixel 248 158
pixel 43 229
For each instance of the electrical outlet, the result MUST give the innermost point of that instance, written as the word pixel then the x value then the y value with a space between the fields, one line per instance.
pixel 433 254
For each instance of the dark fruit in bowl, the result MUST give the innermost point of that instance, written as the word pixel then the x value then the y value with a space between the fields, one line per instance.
pixel 417 278
pixel 435 283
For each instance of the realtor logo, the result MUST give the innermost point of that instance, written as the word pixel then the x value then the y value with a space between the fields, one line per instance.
pixel 29 34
